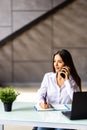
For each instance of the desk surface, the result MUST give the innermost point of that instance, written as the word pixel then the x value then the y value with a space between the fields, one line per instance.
pixel 23 113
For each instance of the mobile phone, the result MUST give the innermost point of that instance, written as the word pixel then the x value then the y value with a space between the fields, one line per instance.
pixel 63 75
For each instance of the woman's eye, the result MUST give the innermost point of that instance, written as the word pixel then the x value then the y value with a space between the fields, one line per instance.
pixel 60 61
pixel 54 61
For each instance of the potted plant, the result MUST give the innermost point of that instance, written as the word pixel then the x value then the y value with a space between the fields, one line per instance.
pixel 8 96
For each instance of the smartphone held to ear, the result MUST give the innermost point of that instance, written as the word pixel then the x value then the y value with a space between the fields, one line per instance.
pixel 62 74
pixel 64 70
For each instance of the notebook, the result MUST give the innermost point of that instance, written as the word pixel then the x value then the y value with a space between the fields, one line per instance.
pixel 79 107
pixel 56 107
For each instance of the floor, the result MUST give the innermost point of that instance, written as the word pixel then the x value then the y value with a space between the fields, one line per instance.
pixel 26 94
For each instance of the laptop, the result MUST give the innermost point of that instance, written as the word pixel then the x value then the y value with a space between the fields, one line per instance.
pixel 79 107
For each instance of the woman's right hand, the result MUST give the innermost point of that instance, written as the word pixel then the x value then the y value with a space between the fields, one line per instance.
pixel 44 105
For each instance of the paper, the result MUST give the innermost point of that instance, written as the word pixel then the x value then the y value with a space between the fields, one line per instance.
pixel 38 108
pixel 61 107
pixel 56 107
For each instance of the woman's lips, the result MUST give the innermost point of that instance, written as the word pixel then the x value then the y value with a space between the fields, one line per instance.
pixel 57 69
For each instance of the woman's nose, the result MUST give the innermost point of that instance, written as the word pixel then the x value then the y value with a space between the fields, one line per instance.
pixel 56 63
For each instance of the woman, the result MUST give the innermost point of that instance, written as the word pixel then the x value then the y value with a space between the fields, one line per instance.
pixel 58 86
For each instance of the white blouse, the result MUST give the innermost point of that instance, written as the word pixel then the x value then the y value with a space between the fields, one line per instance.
pixel 56 94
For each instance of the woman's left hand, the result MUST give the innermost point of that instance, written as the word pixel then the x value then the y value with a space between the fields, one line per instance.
pixel 66 71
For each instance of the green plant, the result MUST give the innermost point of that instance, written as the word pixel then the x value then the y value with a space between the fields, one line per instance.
pixel 8 94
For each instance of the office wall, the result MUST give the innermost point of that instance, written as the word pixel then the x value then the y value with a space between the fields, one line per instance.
pixel 15 14
pixel 25 59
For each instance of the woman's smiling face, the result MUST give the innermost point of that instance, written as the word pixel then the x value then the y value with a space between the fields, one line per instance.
pixel 58 63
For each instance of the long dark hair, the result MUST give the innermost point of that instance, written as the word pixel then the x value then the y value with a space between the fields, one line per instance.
pixel 68 61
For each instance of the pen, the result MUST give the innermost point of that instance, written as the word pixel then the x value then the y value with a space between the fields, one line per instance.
pixel 44 98
pixel 49 106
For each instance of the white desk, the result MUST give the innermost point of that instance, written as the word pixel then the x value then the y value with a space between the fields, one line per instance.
pixel 23 113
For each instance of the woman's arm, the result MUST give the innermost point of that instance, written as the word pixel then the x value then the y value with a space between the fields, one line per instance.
pixel 71 87
pixel 42 93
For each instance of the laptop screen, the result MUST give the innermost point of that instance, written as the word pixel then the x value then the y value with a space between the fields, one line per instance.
pixel 79 106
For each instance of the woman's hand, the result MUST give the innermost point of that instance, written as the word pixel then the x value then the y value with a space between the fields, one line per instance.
pixel 65 72
pixel 44 105
pixel 63 75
